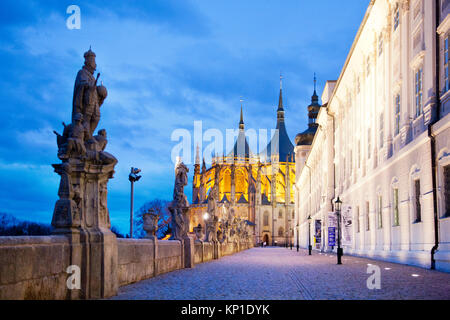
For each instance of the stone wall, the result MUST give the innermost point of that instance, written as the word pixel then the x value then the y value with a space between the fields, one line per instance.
pixel 35 267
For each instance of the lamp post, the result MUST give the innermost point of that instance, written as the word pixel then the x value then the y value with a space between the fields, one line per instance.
pixel 133 177
pixel 309 235
pixel 298 244
pixel 290 237
pixel 338 205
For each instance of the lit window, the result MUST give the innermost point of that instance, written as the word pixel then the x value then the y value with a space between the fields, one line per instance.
pixel 447 190
pixel 419 92
pixel 380 212
pixel 396 211
pixel 446 80
pixel 280 232
pixel 417 201
pixel 368 216
pixel 381 130
pixel 396 17
pixel 358 224
pixel 397 114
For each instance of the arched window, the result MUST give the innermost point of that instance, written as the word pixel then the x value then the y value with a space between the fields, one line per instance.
pixel 281 232
pixel 280 214
pixel 266 219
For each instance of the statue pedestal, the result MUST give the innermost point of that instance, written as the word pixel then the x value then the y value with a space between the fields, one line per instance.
pixel 82 215
pixel 189 252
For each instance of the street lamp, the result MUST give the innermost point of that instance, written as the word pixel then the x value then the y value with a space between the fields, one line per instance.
pixel 298 245
pixel 338 205
pixel 309 235
pixel 133 177
pixel 290 238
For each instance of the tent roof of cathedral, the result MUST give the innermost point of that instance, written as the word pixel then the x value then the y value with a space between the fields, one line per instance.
pixel 241 148
pixel 264 200
pixel 280 144
pixel 224 199
pixel 250 223
pixel 242 199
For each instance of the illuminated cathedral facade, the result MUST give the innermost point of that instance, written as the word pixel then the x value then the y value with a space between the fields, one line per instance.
pixel 257 188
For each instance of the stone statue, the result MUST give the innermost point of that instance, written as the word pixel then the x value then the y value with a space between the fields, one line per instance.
pixel 71 144
pixel 212 226
pixel 180 204
pixel 87 96
pixel 81 212
pixel 198 230
pixel 150 223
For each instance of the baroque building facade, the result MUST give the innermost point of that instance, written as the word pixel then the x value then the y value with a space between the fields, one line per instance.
pixel 382 143
pixel 256 187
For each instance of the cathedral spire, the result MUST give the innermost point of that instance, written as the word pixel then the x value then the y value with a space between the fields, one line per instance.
pixel 197 155
pixel 280 100
pixel 241 123
pixel 315 98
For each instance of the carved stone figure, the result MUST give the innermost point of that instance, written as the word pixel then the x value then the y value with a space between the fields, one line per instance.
pixel 180 204
pixel 212 226
pixel 198 230
pixel 150 223
pixel 87 96
pixel 81 211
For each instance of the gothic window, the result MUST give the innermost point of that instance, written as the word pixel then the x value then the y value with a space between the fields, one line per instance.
pixel 367 216
pixel 266 219
pixel 417 206
pixel 358 85
pixel 419 91
pixel 446 78
pixel 397 114
pixel 396 17
pixel 380 212
pixel 447 190
pixel 396 209
pixel 381 130
pixel 368 66
pixel 281 232
pixel 280 214
pixel 293 214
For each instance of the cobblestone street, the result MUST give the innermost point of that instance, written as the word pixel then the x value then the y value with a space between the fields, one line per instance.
pixel 279 273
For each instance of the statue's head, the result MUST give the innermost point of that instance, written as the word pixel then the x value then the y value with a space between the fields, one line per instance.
pixel 89 60
pixel 102 133
pixel 77 117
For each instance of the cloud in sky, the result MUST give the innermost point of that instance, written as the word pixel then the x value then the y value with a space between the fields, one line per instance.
pixel 166 64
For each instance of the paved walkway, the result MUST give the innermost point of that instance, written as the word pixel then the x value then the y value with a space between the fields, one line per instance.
pixel 279 273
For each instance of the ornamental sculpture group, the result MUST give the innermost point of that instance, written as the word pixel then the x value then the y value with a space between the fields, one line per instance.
pixel 81 212
pixel 221 224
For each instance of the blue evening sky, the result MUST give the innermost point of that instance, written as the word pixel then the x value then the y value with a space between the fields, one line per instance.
pixel 165 64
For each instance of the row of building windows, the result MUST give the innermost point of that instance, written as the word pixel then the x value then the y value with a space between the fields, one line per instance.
pixel 280 216
pixel 395 206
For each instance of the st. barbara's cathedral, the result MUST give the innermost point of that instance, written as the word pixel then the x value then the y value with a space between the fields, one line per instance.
pixel 257 188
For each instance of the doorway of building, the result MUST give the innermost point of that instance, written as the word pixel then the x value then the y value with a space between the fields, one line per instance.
pixel 266 239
